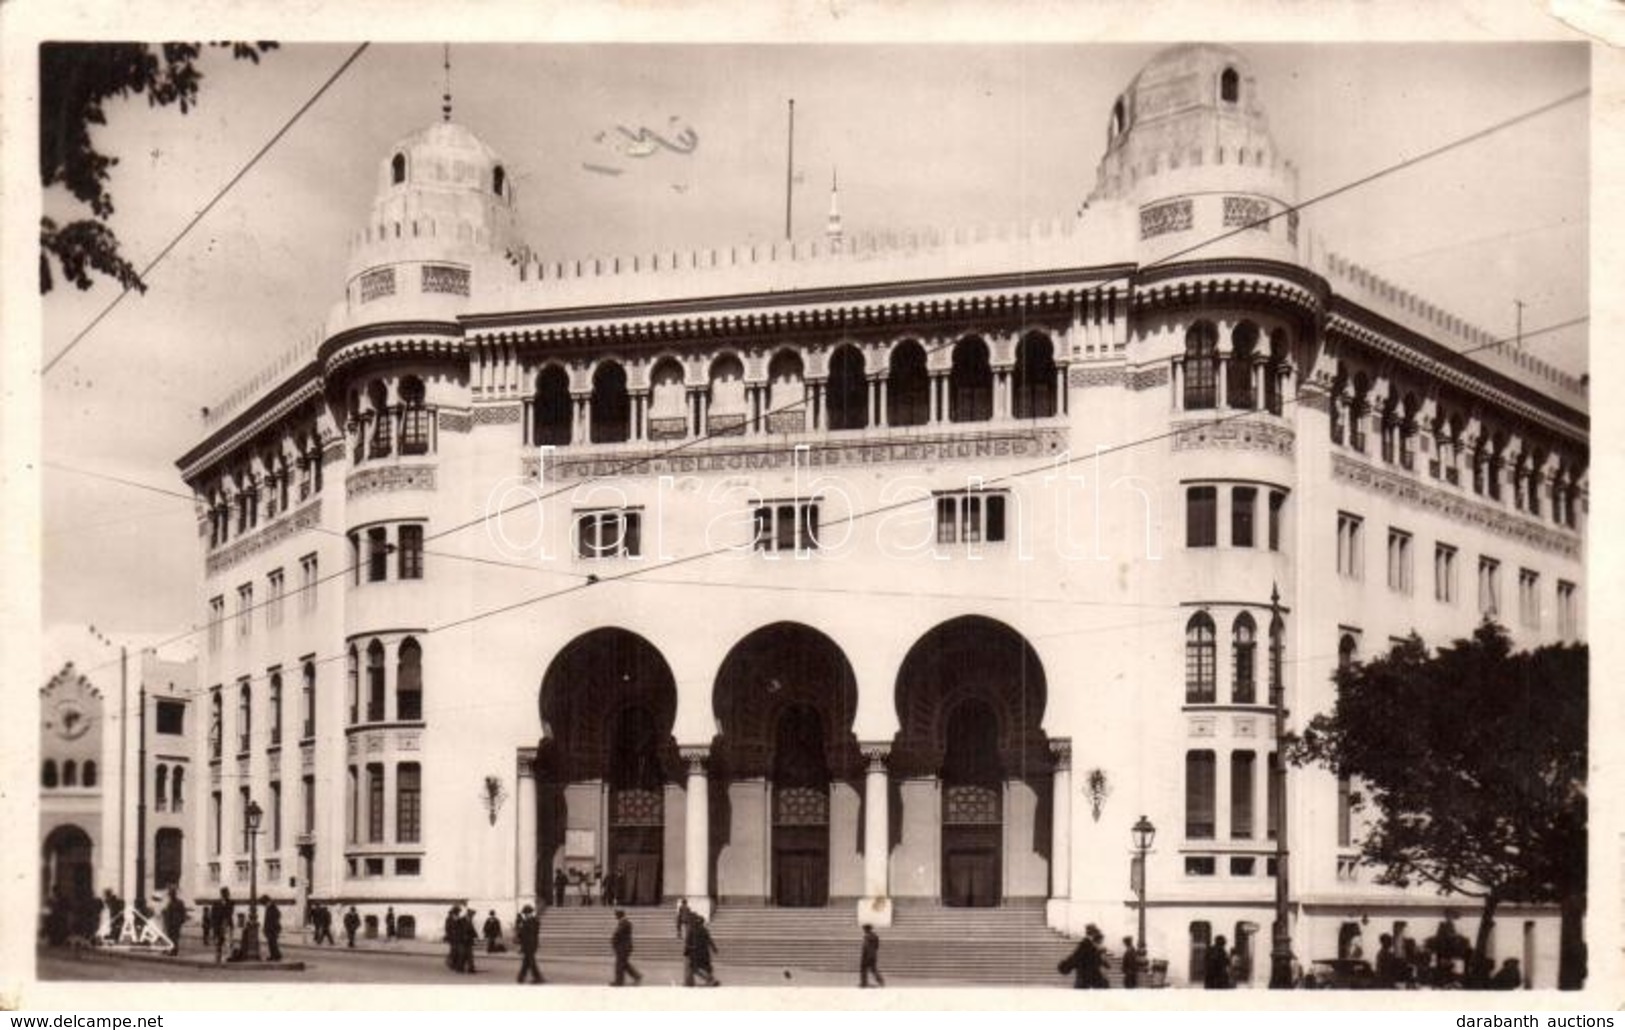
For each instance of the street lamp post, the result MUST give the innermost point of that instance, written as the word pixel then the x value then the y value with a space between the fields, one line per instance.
pixel 1281 942
pixel 1144 834
pixel 251 931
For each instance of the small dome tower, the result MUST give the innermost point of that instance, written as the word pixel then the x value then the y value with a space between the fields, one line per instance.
pixel 1189 146
pixel 444 206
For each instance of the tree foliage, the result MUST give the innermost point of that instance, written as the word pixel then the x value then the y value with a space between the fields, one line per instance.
pixel 1474 762
pixel 76 81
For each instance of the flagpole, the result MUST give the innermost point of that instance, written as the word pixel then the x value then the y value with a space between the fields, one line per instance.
pixel 790 170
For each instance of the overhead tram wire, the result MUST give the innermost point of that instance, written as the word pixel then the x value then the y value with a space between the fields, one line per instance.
pixel 219 195
pixel 1096 289
pixel 633 463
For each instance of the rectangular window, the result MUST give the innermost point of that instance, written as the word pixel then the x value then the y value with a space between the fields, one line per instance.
pixel 375 804
pixel 1243 509
pixel 307 583
pixel 1529 598
pixel 1200 801
pixel 307 787
pixel 1399 561
pixel 217 621
pixel 377 554
pixel 245 715
pixel 411 547
pixel 1202 516
pixel 1444 573
pixel 1242 764
pixel 971 517
pixel 1350 546
pixel 171 718
pixel 1568 623
pixel 1242 865
pixel 245 609
pixel 1201 865
pixel 408 867
pixel 1277 513
pixel 274 699
pixel 1345 812
pixel 273 598
pixel 787 526
pixel 275 816
pixel 408 803
pixel 1489 586
pixel 307 700
pixel 614 533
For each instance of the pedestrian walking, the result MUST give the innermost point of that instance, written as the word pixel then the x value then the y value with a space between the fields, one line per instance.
pixel 468 936
pixel 273 928
pixel 560 884
pixel 389 923
pixel 174 919
pixel 1218 966
pixel 223 916
pixel 528 933
pixel 697 952
pixel 621 943
pixel 352 923
pixel 324 925
pixel 493 934
pixel 684 913
pixel 1085 961
pixel 454 938
pixel 596 890
pixel 1131 964
pixel 206 917
pixel 869 963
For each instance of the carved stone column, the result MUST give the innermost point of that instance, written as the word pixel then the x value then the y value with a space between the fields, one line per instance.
pixel 1060 860
pixel 697 832
pixel 875 906
pixel 525 871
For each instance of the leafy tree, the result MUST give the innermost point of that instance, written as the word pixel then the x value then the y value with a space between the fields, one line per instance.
pixel 76 79
pixel 1474 760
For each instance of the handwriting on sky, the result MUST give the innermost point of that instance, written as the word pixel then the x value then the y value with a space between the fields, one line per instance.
pixel 620 145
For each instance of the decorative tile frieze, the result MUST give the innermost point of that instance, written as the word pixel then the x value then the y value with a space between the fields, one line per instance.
pixel 1246 211
pixel 389 479
pixel 300 519
pixel 380 282
pixel 445 279
pixel 1407 490
pixel 1236 434
pixel 725 425
pixel 787 422
pixel 1151 378
pixel 455 422
pixel 1028 443
pixel 668 428
pixel 1169 216
pixel 496 415
pixel 1082 376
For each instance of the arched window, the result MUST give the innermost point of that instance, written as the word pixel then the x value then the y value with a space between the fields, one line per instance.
pixel 726 411
pixel 88 775
pixel 970 384
pixel 1244 641
pixel 375 682
pixel 1119 122
pixel 409 682
pixel 217 739
pixel 160 788
pixel 499 180
pixel 611 409
pixel 908 386
pixel 70 773
pixel 245 716
pixel 1239 369
pixel 1275 370
pixel 668 401
pixel 552 410
pixel 1359 406
pixel 177 789
pixel 354 679
pixel 1201 366
pixel 1199 660
pixel 1346 648
pixel 47 776
pixel 1277 652
pixel 1035 377
pixel 847 393
pixel 415 425
pixel 397 169
pixel 786 393
pixel 1229 86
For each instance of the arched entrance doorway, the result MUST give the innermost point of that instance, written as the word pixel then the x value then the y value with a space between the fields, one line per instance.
pixel 608 702
pixel 970 704
pixel 785 699
pixel 67 864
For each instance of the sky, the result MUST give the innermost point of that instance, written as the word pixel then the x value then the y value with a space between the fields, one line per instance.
pixel 941 135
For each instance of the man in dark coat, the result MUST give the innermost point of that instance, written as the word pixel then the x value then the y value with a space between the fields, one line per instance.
pixel 493 933
pixel 467 937
pixel 454 938
pixel 223 920
pixel 869 962
pixel 174 919
pixel 323 920
pixel 684 913
pixel 1084 962
pixel 560 883
pixel 528 931
pixel 1217 970
pixel 273 928
pixel 1131 964
pixel 352 923
pixel 389 923
pixel 621 943
pixel 697 950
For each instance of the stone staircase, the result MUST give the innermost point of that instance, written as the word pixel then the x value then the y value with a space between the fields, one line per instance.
pixel 1008 945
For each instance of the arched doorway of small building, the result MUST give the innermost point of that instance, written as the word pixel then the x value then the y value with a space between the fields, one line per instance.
pixel 167 846
pixel 66 865
pixel 970 750
pixel 785 700
pixel 604 766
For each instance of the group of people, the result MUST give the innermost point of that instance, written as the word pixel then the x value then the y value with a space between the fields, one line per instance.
pixel 607 890
pixel 1088 962
pixel 460 939
pixel 1445 960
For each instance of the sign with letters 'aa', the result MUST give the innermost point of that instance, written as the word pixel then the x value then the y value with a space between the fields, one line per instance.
pixel 580 844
